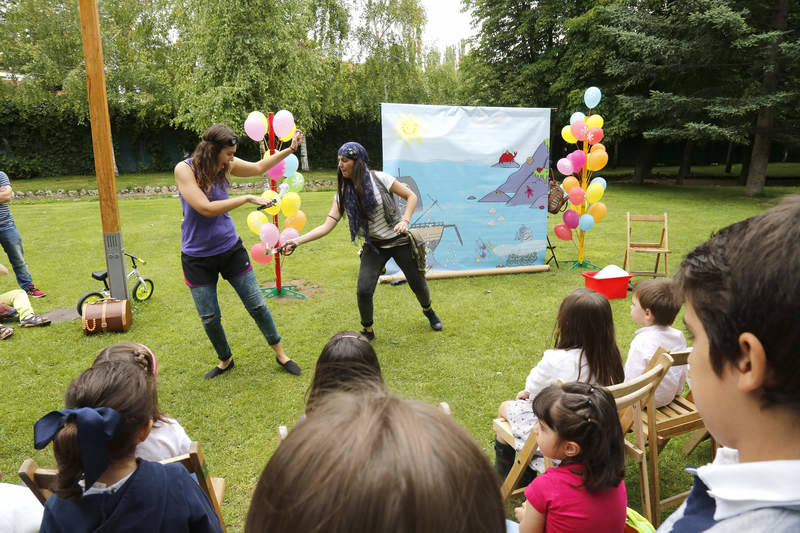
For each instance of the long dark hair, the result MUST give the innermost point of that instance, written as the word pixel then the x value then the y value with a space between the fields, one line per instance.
pixel 587 415
pixel 357 198
pixel 585 321
pixel 206 153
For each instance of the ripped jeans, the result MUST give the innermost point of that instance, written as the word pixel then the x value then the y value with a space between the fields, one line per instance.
pixel 207 304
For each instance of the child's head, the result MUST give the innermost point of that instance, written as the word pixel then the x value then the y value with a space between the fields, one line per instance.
pixel 348 362
pixel 585 321
pixel 140 355
pixel 578 423
pixel 655 302
pixel 371 462
pixel 85 435
pixel 741 289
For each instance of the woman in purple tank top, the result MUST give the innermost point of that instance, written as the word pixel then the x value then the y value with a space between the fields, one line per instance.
pixel 210 246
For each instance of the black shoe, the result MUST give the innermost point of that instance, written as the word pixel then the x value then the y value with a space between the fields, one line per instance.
pixel 436 324
pixel 370 335
pixel 216 371
pixel 290 366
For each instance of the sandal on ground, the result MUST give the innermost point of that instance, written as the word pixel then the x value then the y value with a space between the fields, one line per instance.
pixel 32 321
pixel 217 371
pixel 290 366
pixel 5 332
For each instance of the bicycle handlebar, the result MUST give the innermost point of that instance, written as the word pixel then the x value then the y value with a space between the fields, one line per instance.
pixel 142 261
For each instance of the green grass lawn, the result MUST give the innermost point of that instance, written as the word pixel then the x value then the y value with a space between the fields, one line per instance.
pixel 495 327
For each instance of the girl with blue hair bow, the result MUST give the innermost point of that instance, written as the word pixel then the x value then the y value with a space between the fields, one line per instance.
pixel 359 195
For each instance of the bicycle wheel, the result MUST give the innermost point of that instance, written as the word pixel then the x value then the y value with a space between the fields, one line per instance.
pixel 143 290
pixel 88 298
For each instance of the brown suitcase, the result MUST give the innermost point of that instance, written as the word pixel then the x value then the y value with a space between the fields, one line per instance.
pixel 109 314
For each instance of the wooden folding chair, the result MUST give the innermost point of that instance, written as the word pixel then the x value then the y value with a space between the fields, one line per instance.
pixel 214 487
pixel 660 247
pixel 41 481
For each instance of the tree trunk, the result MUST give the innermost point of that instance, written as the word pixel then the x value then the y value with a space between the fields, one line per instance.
pixel 748 152
pixel 644 165
pixel 729 158
pixel 615 159
pixel 686 162
pixel 304 166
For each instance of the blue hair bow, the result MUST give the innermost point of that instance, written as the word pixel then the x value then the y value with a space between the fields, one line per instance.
pixel 95 427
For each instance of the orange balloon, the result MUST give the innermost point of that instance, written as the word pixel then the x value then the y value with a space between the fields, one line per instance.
pixel 570 182
pixel 596 147
pixel 298 221
pixel 597 160
pixel 598 211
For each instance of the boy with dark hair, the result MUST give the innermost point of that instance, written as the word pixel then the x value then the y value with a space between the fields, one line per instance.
pixel 742 306
pixel 654 305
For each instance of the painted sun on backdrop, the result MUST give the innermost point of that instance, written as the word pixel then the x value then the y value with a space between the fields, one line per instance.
pixel 409 129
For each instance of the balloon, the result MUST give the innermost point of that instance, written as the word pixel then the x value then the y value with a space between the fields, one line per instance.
pixel 569 183
pixel 578 159
pixel 592 97
pixel 571 218
pixel 586 223
pixel 598 211
pixel 288 233
pixel 577 116
pixel 283 122
pixel 290 164
pixel 577 196
pixel 259 253
pixel 254 221
pixel 594 192
pixel 565 166
pixel 260 116
pixel 594 121
pixel 277 171
pixel 269 234
pixel 597 147
pixel 269 195
pixel 601 181
pixel 562 232
pixel 567 135
pixel 298 221
pixel 597 160
pixel 290 204
pixel 288 136
pixel 595 135
pixel 254 128
pixel 579 130
pixel 296 182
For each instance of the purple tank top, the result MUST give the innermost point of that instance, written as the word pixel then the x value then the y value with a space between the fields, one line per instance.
pixel 203 236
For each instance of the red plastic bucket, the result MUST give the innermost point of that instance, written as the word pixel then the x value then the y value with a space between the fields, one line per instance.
pixel 611 288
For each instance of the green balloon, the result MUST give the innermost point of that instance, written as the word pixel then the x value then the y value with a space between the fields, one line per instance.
pixel 296 182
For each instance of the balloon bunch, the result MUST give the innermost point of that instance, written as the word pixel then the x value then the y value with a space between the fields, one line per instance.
pixel 584 195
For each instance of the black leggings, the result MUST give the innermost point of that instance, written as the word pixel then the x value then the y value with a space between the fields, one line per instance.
pixel 372 263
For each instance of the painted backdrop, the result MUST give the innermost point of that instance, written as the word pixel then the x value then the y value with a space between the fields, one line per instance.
pixel 480 174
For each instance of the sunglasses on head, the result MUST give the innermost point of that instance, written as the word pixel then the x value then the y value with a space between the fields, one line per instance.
pixel 232 141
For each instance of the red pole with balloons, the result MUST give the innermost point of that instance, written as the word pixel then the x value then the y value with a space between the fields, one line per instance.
pixel 585 192
pixel 285 194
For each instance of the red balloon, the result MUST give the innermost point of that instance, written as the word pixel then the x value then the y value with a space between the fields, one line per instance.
pixel 595 135
pixel 259 254
pixel 577 195
pixel 563 232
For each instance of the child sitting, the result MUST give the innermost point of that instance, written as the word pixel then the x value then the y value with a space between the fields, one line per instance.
pixel 585 350
pixel 654 305
pixel 366 461
pixel 101 484
pixel 742 308
pixel 577 424
pixel 167 437
pixel 16 304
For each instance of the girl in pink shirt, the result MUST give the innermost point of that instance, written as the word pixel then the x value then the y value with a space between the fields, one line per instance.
pixel 577 424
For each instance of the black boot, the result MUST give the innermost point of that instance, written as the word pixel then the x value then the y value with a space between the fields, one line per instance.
pixel 436 324
pixel 503 458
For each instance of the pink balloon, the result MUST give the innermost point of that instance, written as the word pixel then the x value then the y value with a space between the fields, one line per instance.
pixel 562 232
pixel 288 234
pixel 595 135
pixel 259 254
pixel 283 122
pixel 579 130
pixel 565 166
pixel 571 218
pixel 276 172
pixel 576 196
pixel 578 159
pixel 254 128
pixel 269 234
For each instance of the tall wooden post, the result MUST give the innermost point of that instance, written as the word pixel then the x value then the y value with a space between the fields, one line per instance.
pixel 103 150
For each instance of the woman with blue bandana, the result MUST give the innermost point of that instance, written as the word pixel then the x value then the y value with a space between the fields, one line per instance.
pixel 373 216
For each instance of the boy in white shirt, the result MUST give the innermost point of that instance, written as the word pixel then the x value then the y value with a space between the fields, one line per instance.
pixel 654 305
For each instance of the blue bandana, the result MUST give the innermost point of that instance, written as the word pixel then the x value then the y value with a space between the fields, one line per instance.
pixel 353 150
pixel 95 427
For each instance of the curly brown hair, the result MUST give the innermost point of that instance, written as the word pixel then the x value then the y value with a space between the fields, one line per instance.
pixel 206 153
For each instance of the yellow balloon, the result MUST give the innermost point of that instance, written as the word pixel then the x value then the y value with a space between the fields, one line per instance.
pixel 289 135
pixel 290 204
pixel 298 221
pixel 596 147
pixel 254 221
pixel 597 160
pixel 594 192
pixel 594 121
pixel 598 211
pixel 567 135
pixel 269 195
pixel 570 182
